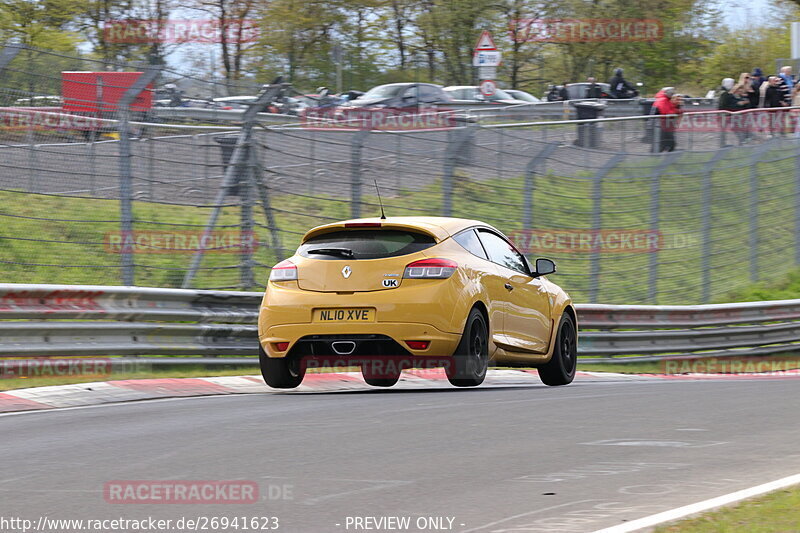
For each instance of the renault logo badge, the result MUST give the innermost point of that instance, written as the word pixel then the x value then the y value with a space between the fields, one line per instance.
pixel 346 271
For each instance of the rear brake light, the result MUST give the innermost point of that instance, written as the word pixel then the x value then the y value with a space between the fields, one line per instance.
pixel 418 345
pixel 430 269
pixel 283 271
pixel 362 225
pixel 281 346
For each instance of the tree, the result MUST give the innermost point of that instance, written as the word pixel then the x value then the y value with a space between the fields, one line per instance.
pixel 236 20
pixel 41 23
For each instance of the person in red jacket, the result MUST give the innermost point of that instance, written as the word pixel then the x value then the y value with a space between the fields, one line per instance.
pixel 668 102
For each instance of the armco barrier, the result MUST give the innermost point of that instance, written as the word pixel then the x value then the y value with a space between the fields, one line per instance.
pixel 68 320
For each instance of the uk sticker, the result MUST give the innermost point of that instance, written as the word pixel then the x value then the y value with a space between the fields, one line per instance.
pixel 391 283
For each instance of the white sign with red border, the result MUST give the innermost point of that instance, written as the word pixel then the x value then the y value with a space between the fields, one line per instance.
pixel 485 42
pixel 488 88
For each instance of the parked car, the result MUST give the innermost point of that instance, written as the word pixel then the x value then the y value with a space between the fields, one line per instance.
pixel 402 95
pixel 234 102
pixel 516 94
pixel 39 101
pixel 397 292
pixel 578 91
pixel 470 94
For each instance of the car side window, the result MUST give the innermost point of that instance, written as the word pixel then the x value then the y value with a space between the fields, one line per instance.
pixel 502 252
pixel 428 94
pixel 468 239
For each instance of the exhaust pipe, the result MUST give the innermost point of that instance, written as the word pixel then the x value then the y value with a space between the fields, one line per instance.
pixel 343 347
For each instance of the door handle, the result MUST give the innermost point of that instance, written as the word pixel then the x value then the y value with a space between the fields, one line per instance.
pixel 509 286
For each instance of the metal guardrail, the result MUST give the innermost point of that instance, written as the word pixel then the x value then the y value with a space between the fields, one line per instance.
pixel 217 115
pixel 69 320
pixel 60 320
pixel 523 111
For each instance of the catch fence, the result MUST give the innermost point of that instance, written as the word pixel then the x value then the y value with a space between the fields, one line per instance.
pixel 109 197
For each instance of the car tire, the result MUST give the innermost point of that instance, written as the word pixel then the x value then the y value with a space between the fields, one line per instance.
pixel 560 370
pixel 380 379
pixel 280 372
pixel 470 362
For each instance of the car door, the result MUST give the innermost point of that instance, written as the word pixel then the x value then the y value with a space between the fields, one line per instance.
pixel 526 321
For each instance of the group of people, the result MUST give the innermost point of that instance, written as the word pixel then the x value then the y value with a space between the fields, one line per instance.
pixel 754 91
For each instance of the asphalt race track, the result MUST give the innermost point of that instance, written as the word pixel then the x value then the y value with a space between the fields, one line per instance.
pixel 516 458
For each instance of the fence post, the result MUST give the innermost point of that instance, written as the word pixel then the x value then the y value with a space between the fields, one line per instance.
pixel 125 177
pixel 656 147
pixel 655 221
pixel 597 212
pixel 239 158
pixel 31 138
pixel 457 152
pixel 753 210
pixel 356 177
pixel 708 170
pixel 797 207
pixel 263 191
pixel 8 54
pixel 246 228
pixel 530 184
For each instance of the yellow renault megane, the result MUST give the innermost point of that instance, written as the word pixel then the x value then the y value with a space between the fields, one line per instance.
pixel 392 293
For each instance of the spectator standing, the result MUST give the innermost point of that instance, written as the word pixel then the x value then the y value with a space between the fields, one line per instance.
pixel 726 98
pixel 772 96
pixel 794 114
pixel 749 89
pixel 668 102
pixel 562 93
pixel 771 93
pixel 786 83
pixel 594 90
pixel 757 77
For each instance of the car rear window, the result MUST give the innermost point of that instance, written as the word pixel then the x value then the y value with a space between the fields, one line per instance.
pixel 365 244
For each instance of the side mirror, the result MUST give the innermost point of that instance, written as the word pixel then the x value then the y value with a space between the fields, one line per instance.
pixel 544 267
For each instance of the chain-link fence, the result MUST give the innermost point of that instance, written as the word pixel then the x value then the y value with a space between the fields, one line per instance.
pixel 116 198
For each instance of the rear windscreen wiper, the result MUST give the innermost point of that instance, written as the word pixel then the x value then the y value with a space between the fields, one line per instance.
pixel 341 252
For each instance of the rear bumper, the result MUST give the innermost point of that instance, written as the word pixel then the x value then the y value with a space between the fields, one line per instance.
pixel 441 344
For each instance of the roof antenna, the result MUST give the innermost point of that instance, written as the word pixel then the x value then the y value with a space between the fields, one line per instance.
pixel 383 215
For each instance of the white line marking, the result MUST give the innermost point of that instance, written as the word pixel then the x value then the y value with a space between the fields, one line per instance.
pixel 537 511
pixel 123 403
pixel 699 507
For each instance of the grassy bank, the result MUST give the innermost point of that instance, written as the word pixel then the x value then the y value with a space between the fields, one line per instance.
pixel 49 239
pixel 777 511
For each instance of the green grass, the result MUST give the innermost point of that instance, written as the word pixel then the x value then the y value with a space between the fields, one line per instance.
pixel 41 251
pixel 784 288
pixel 777 512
